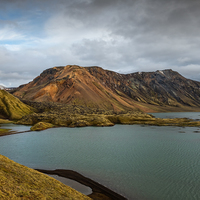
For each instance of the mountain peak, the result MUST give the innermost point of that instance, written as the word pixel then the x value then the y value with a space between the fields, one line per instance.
pixel 166 71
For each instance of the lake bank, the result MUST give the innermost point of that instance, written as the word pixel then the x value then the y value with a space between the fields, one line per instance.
pixel 41 122
pixel 179 122
pixel 8 132
pixel 20 182
pixel 98 190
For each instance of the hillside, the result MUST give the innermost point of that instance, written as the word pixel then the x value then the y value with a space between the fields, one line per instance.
pixel 11 107
pixel 95 87
pixel 75 85
pixel 20 182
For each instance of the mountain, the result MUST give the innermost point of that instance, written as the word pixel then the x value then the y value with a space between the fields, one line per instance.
pixel 163 87
pixel 75 85
pixel 11 107
pixel 95 87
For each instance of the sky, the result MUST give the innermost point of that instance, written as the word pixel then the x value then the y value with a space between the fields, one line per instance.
pixel 124 36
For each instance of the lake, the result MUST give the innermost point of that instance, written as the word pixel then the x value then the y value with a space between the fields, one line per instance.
pixel 138 162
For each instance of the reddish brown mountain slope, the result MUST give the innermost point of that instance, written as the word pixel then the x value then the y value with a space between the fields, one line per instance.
pixel 96 87
pixel 72 84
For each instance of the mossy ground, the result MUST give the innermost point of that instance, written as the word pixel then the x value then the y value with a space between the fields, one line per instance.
pixel 5 121
pixel 41 126
pixel 4 131
pixel 20 182
pixel 11 107
pixel 81 120
pixel 69 115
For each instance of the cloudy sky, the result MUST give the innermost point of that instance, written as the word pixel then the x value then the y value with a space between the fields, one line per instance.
pixel 120 35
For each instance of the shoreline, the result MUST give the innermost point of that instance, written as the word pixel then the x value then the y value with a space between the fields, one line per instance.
pixel 13 132
pixel 98 191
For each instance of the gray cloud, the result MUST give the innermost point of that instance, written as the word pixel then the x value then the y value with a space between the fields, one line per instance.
pixel 120 35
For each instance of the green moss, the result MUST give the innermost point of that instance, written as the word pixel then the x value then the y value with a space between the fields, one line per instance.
pixel 97 85
pixel 4 131
pixel 20 182
pixel 11 107
pixel 79 116
pixel 5 121
pixel 41 126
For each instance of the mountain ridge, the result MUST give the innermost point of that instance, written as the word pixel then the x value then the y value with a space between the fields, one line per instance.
pixel 96 87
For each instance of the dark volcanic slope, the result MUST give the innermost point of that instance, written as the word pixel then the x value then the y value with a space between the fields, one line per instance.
pixel 164 87
pixel 96 87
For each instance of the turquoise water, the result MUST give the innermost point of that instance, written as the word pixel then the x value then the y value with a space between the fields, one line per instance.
pixel 190 115
pixel 74 184
pixel 139 162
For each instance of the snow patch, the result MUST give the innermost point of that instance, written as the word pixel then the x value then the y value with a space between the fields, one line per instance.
pixel 161 72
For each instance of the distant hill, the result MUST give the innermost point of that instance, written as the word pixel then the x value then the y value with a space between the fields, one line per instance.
pixel 11 107
pixel 95 87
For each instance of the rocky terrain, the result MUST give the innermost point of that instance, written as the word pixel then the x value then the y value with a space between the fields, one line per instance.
pixel 163 87
pixel 95 87
pixel 72 84
pixel 66 115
